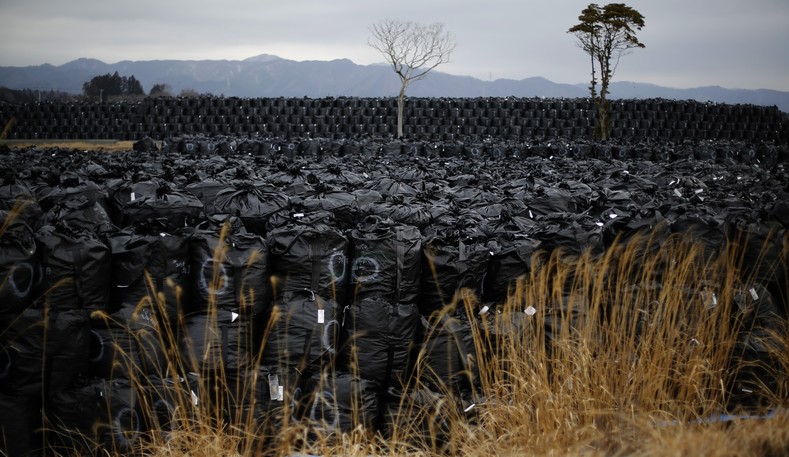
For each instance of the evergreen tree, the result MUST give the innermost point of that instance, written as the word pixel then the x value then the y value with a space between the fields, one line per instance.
pixel 606 34
pixel 113 85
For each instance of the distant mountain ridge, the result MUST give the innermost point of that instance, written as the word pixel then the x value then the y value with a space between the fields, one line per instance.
pixel 268 75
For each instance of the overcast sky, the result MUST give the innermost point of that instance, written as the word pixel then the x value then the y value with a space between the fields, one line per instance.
pixel 689 43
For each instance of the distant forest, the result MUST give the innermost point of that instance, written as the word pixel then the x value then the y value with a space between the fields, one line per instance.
pixel 22 96
pixel 109 87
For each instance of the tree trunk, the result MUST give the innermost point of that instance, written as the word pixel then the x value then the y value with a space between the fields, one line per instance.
pixel 401 109
pixel 604 124
pixel 603 107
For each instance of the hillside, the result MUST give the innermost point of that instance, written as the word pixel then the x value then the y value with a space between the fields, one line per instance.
pixel 273 76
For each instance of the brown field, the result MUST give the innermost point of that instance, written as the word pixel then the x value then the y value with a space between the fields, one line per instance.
pixel 82 145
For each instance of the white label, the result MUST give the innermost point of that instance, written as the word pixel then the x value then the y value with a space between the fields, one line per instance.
pixel 613 216
pixel 280 393
pixel 132 196
pixel 698 191
pixel 531 215
pixel 233 316
pixel 274 387
pixel 195 400
pixel 470 407
pixel 754 294
pixel 321 316
pixel 484 310
pixel 677 192
pixel 599 224
pixel 530 311
pixel 298 215
pixel 714 300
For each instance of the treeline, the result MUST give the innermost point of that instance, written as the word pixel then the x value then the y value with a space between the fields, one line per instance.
pixel 22 96
pixel 116 86
pixel 100 88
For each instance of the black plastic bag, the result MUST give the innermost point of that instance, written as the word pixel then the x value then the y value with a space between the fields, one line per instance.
pixel 18 264
pixel 510 262
pixel 77 269
pixel 20 417
pixel 386 261
pixel 152 269
pixel 104 416
pixel 16 195
pixel 130 344
pixel 450 356
pixel 379 338
pixel 78 213
pixel 451 264
pixel 230 269
pixel 309 257
pixel 143 202
pixel 47 351
pixel 72 188
pixel 219 342
pixel 303 334
pixel 338 402
pixel 756 358
pixel 407 211
pixel 250 204
pixel 322 197
pixel 207 190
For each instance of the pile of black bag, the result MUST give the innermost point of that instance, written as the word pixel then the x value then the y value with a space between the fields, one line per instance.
pixel 274 281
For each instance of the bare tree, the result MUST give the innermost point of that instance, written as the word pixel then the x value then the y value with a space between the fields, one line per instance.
pixel 412 49
pixel 606 34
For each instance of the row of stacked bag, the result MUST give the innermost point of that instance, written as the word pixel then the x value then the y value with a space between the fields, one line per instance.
pixel 288 288
pixel 426 119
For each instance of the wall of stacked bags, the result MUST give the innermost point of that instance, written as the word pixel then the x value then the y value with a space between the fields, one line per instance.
pixel 299 278
pixel 426 119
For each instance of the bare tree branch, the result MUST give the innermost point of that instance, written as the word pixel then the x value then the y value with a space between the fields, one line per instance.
pixel 413 50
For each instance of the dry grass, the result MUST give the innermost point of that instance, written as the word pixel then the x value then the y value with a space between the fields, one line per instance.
pixel 625 360
pixel 602 368
pixel 81 145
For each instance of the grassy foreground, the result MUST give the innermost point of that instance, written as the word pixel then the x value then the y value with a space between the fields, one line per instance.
pixel 636 351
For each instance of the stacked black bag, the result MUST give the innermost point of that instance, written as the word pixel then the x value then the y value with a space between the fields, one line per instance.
pixel 309 270
pixel 382 319
pixel 309 278
pixel 230 297
pixel 46 334
pixel 142 269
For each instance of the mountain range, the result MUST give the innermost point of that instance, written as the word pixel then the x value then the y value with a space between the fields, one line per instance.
pixel 272 76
